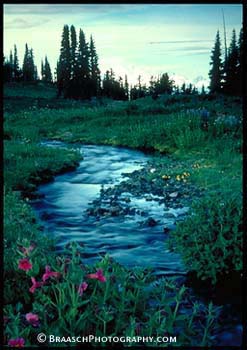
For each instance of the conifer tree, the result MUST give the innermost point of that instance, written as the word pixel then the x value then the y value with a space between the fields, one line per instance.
pixel 94 69
pixel 231 68
pixel 42 71
pixel 215 74
pixel 239 83
pixel 82 66
pixel 183 88
pixel 16 64
pixel 64 65
pixel 165 85
pixel 126 87
pixel 11 65
pixel 11 61
pixel 176 90
pixel 29 69
pixel 203 92
pixel 107 84
pixel 73 53
pixel 7 70
pixel 46 75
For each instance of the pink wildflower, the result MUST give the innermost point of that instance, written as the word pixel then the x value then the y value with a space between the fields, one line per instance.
pixel 35 285
pixel 48 273
pixel 82 287
pixel 24 264
pixel 27 250
pixel 16 343
pixel 97 276
pixel 33 319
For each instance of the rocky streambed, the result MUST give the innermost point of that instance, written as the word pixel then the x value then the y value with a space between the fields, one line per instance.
pixel 121 202
pixel 125 203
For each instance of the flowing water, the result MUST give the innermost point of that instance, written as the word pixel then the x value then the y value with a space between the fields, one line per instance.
pixel 63 211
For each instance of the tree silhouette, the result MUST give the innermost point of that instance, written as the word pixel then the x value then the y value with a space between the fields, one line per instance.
pixel 94 69
pixel 230 85
pixel 215 74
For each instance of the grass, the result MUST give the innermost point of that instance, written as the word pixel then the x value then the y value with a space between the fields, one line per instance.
pixel 170 125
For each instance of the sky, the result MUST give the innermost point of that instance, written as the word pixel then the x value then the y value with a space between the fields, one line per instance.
pixel 132 39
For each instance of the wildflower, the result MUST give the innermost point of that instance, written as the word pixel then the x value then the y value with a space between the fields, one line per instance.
pixel 98 276
pixel 178 178
pixel 16 343
pixel 82 287
pixel 27 250
pixel 48 273
pixel 33 319
pixel 152 170
pixel 25 265
pixel 35 285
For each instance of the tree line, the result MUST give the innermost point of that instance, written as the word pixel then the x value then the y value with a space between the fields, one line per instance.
pixel 28 72
pixel 226 74
pixel 77 74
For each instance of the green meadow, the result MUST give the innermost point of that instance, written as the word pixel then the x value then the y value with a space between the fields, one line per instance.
pixel 209 240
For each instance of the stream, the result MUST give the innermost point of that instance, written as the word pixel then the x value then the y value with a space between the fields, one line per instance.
pixel 63 206
pixel 131 237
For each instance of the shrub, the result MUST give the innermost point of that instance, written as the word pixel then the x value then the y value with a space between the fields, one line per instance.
pixel 210 239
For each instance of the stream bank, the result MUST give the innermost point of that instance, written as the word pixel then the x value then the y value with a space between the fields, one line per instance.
pixel 124 203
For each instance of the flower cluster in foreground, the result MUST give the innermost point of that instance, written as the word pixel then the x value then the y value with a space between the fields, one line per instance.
pixel 26 265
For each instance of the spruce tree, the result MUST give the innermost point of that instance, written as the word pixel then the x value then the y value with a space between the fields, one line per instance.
pixel 16 64
pixel 11 65
pixel 239 84
pixel 183 88
pixel 42 71
pixel 203 92
pixel 64 69
pixel 47 71
pixel 215 74
pixel 94 69
pixel 73 46
pixel 231 68
pixel 82 66
pixel 7 70
pixel 165 84
pixel 107 84
pixel 29 69
pixel 126 87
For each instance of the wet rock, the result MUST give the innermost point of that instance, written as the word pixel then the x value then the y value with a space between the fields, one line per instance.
pixel 169 228
pixel 114 211
pixel 150 222
pixel 33 195
pixel 173 194
pixel 132 211
pixel 169 215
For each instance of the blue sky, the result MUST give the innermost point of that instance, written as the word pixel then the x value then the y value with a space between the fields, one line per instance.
pixel 145 39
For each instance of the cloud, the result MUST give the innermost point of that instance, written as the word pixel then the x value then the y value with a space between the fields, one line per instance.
pixel 61 9
pixel 20 23
pixel 180 42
